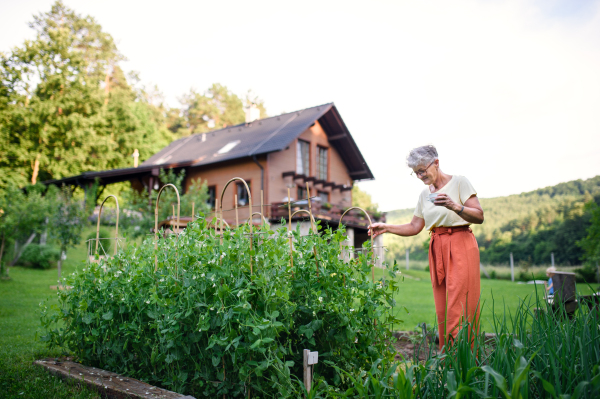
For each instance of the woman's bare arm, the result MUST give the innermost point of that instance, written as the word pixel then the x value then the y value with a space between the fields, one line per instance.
pixel 473 213
pixel 405 230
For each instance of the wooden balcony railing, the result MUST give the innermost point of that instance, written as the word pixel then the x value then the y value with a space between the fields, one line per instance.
pixel 330 213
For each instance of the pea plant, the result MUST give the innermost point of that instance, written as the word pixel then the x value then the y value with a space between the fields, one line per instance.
pixel 219 316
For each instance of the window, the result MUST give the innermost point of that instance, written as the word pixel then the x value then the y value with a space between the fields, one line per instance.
pixel 212 195
pixel 228 147
pixel 322 163
pixel 302 193
pixel 242 194
pixel 303 158
pixel 324 195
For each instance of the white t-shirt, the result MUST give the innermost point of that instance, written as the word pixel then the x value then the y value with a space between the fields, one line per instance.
pixel 459 189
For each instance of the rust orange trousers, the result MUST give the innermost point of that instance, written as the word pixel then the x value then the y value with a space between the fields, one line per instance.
pixel 454 269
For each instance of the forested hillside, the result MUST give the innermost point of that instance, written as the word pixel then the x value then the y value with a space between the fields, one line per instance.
pixel 530 225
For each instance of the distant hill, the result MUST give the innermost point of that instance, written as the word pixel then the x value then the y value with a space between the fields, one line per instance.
pixel 531 225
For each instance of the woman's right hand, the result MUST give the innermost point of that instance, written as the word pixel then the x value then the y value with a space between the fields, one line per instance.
pixel 377 228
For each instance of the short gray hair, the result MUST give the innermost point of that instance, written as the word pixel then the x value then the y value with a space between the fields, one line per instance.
pixel 421 156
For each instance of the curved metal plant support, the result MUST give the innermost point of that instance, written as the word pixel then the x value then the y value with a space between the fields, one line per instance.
pixel 249 207
pixel 156 221
pixel 372 248
pixel 116 227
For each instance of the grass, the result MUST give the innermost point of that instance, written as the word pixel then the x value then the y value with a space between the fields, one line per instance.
pixel 20 297
pixel 416 295
pixel 19 301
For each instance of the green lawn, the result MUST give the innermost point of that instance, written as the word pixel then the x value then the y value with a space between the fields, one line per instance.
pixel 19 302
pixel 416 295
pixel 20 298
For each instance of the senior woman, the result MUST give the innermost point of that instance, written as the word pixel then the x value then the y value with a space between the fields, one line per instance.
pixel 453 250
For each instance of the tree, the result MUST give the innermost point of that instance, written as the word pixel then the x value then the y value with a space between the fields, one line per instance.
pixel 66 105
pixel 217 107
pixel 66 222
pixel 591 243
pixel 23 217
pixel 363 199
pixel 139 217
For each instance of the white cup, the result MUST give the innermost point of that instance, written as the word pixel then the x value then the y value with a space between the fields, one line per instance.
pixel 432 197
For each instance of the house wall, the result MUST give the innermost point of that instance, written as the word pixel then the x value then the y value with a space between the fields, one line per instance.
pixel 285 161
pixel 219 174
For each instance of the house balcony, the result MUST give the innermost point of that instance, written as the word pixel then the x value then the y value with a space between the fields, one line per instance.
pixel 329 214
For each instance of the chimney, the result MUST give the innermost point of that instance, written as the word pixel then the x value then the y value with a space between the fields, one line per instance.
pixel 136 156
pixel 252 113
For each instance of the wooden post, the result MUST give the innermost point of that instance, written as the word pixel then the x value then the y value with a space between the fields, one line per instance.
pixel 307 371
pixel 216 214
pixel 310 359
pixel 312 226
pixel 512 268
pixel 262 203
pixel 290 230
pixel 407 252
pixel 552 258
pixel 192 211
pixel 237 222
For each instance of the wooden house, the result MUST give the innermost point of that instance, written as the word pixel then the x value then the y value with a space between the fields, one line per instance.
pixel 272 155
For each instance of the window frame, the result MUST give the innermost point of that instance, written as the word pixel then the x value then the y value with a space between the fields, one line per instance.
pixel 242 190
pixel 300 160
pixel 212 204
pixel 322 174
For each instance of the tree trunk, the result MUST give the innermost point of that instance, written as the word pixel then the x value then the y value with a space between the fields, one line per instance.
pixel 36 169
pixel 2 248
pixel 59 265
pixel 18 254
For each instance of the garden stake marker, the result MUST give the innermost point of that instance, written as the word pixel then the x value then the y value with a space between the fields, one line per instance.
pixel 156 222
pixel 116 227
pixel 192 211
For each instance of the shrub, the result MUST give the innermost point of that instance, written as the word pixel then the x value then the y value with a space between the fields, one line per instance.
pixel 204 324
pixel 39 256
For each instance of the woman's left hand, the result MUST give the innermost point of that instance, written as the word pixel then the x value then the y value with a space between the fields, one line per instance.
pixel 445 201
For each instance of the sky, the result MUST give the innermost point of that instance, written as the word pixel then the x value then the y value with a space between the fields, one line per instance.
pixel 507 90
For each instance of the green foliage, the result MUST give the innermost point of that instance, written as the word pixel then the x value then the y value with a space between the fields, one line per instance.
pixel 591 242
pixel 138 219
pixel 217 107
pixel 106 239
pixel 66 220
pixel 542 356
pixel 363 200
pixel 23 216
pixel 530 225
pixel 57 119
pixel 39 256
pixel 203 323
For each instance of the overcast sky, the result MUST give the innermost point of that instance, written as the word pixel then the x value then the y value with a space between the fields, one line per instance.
pixel 509 91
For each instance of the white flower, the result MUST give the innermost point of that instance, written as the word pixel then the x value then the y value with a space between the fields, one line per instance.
pixel 200 330
pixel 238 294
pixel 161 280
pixel 122 299
pixel 212 279
pixel 333 274
pixel 321 299
pixel 314 313
pixel 214 285
pixel 352 310
pixel 212 308
pixel 148 302
pixel 129 281
pixel 202 275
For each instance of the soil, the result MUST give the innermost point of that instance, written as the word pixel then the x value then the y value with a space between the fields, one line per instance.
pixel 408 343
